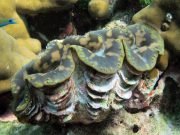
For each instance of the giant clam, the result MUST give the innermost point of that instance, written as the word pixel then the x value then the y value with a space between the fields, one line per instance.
pixel 84 78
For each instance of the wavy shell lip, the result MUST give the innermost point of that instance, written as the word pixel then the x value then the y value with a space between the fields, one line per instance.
pixel 54 110
pixel 98 76
pixel 132 70
pixel 35 111
pixel 93 113
pixel 27 109
pixel 123 94
pixel 97 97
pixel 101 89
pixel 127 80
pixel 68 111
pixel 97 105
pixel 22 105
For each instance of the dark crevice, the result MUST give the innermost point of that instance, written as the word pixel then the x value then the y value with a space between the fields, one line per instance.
pixel 135 128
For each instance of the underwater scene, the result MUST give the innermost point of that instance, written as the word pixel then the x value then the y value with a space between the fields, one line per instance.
pixel 90 67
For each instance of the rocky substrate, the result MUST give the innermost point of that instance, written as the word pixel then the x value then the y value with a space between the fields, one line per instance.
pixel 150 122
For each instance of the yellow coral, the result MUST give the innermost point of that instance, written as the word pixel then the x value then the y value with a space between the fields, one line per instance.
pixel 18 30
pixel 12 59
pixel 162 62
pixel 99 8
pixel 32 44
pixel 34 6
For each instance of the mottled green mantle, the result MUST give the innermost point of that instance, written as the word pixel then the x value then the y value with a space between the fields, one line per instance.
pixel 111 61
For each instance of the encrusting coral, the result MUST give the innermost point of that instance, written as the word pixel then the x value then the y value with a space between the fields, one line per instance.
pixel 101 9
pixel 36 6
pixel 18 30
pixel 84 78
pixel 17 48
pixel 13 57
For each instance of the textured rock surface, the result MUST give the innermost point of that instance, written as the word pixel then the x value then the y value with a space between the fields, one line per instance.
pixel 124 123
